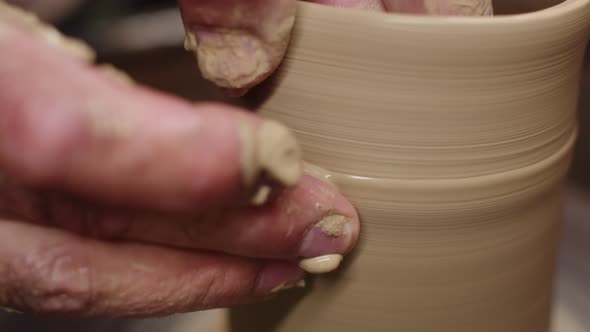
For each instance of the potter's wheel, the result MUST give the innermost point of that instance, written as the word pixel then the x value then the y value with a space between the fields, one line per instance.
pixel 572 302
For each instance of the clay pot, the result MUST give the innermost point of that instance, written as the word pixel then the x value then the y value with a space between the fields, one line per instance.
pixel 452 136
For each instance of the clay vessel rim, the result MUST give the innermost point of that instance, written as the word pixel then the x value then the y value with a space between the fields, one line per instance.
pixel 556 12
pixel 491 179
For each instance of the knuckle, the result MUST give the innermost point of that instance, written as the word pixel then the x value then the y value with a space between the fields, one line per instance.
pixel 55 280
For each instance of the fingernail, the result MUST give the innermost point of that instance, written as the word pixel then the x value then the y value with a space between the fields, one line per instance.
pixel 333 234
pixel 321 264
pixel 230 58
pixel 280 276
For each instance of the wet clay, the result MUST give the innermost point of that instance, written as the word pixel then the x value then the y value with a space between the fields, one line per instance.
pixel 238 50
pixel 270 148
pixel 452 137
pixel 261 196
pixel 190 42
pixel 333 226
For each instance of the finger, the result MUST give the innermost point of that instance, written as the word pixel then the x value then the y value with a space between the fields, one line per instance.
pixel 310 220
pixel 67 124
pixel 237 43
pixel 363 4
pixel 441 7
pixel 51 272
pixel 432 7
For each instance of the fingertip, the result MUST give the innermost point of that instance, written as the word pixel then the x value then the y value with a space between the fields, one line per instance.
pixel 338 230
pixel 237 51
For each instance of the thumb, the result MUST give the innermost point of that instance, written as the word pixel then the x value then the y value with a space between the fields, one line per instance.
pixel 441 7
pixel 237 43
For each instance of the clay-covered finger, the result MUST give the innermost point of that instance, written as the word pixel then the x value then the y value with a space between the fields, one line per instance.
pixel 68 124
pixel 47 271
pixel 310 220
pixel 430 7
pixel 237 43
pixel 363 4
pixel 441 7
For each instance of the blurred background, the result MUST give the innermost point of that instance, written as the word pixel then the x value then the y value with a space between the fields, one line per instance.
pixel 145 38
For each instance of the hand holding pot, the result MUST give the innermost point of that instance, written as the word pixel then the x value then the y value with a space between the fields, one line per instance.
pixel 238 43
pixel 116 200
pixel 121 201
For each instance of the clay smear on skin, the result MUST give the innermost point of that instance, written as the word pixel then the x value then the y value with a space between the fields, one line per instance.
pixel 271 149
pixel 333 225
pixel 232 58
pixel 116 74
pixel 238 58
pixel 190 42
pixel 261 196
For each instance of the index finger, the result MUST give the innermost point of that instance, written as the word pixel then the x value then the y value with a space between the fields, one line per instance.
pixel 66 124
pixel 441 7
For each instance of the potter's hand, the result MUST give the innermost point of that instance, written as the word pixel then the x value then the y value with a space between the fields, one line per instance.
pixel 239 43
pixel 120 201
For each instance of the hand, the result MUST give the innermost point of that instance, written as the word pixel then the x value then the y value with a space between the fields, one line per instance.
pixel 238 51
pixel 116 200
pixel 121 201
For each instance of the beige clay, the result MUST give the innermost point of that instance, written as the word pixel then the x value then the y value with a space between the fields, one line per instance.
pixel 190 42
pixel 270 148
pixel 116 74
pixel 452 136
pixel 333 225
pixel 236 58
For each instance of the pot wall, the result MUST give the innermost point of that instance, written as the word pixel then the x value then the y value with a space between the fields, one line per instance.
pixel 452 136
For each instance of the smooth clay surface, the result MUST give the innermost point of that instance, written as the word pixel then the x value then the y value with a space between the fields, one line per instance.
pixel 452 136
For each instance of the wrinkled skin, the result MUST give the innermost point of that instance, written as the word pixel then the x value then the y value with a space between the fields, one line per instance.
pixel 116 200
pixel 237 49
